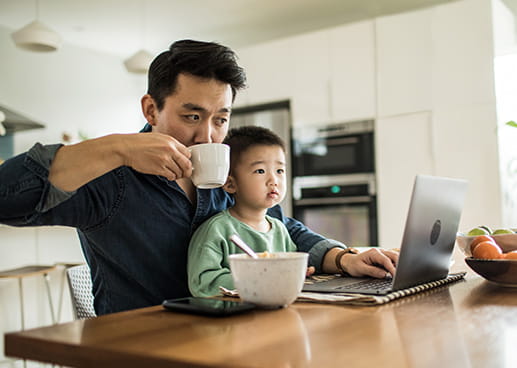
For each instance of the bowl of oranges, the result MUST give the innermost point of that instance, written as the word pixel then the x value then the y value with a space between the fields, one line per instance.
pixel 491 254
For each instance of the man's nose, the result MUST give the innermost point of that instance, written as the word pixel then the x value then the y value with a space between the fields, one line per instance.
pixel 204 133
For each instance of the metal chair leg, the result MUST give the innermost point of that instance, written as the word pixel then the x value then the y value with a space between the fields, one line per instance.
pixel 47 284
pixel 20 290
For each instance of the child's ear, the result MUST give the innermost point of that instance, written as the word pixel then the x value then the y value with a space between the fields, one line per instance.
pixel 230 186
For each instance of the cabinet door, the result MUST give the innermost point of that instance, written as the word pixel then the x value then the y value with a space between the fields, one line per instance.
pixel 404 148
pixel 269 72
pixel 404 63
pixel 352 71
pixel 310 87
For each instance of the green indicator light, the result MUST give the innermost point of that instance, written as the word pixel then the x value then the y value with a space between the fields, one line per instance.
pixel 335 189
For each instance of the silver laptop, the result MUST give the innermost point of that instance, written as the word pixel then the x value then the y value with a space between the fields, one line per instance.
pixel 427 245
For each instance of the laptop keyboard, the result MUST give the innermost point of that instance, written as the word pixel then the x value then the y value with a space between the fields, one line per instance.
pixel 372 284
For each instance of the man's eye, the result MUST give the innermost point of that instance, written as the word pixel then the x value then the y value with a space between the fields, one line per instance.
pixel 192 117
pixel 221 121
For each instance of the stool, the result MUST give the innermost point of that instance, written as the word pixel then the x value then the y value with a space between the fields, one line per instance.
pixel 26 271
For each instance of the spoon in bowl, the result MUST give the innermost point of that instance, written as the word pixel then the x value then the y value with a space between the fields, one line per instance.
pixel 236 239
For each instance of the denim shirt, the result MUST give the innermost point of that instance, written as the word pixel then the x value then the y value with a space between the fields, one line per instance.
pixel 134 228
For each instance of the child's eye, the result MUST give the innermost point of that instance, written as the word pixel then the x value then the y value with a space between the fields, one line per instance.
pixel 260 171
pixel 280 171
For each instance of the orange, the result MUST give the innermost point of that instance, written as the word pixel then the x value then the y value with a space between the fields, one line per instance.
pixel 510 255
pixel 487 250
pixel 479 239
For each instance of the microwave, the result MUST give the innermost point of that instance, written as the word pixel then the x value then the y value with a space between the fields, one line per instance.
pixel 346 148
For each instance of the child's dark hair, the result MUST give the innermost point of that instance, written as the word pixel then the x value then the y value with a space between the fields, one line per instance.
pixel 243 138
pixel 198 58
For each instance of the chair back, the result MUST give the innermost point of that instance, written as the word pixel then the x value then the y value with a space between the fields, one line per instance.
pixel 80 283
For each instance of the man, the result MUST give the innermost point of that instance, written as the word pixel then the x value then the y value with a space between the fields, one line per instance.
pixel 130 195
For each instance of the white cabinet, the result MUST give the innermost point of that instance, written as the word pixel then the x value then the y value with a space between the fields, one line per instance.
pixel 310 87
pixel 404 146
pixel 329 76
pixel 404 63
pixel 269 72
pixel 352 72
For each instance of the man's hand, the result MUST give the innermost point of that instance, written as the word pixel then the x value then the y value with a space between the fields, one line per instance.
pixel 158 154
pixel 373 262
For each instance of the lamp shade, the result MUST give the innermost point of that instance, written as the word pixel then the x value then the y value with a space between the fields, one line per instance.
pixel 139 62
pixel 36 36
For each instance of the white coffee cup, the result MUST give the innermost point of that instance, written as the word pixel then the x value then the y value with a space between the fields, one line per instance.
pixel 210 164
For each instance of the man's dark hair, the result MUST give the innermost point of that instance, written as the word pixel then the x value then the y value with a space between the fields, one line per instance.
pixel 202 59
pixel 243 138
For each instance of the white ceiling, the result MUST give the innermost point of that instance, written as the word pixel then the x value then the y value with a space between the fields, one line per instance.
pixel 121 27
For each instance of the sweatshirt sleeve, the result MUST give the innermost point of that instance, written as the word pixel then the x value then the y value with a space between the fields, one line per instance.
pixel 207 268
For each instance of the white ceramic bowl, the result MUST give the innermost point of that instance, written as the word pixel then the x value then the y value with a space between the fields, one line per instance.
pixel 271 282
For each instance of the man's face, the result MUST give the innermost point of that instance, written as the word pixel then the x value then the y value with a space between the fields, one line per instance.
pixel 197 112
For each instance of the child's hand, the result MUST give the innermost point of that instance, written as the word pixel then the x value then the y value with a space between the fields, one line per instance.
pixel 310 271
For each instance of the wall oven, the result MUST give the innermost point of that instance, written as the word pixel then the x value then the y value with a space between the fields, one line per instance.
pixel 334 190
pixel 346 148
pixel 341 207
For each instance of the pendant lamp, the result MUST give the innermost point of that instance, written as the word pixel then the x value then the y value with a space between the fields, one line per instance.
pixel 139 62
pixel 36 36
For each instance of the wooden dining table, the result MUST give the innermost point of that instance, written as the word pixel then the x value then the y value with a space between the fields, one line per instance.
pixel 470 323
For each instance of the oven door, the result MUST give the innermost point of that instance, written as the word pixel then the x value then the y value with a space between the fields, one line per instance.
pixel 340 207
pixel 333 155
pixel 351 220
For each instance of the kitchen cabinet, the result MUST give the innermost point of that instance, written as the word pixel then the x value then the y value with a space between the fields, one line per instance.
pixel 311 78
pixel 269 73
pixel 352 72
pixel 405 147
pixel 404 63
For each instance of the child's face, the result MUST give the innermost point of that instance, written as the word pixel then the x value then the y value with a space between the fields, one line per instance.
pixel 259 177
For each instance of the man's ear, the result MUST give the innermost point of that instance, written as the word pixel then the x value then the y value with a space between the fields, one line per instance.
pixel 230 185
pixel 149 109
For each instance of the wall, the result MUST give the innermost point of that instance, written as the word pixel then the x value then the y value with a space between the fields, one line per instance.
pixel 70 90
pixel 426 77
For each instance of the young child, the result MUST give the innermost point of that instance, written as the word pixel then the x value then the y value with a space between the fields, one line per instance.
pixel 257 181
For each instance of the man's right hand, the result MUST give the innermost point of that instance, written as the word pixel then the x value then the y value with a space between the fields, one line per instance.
pixel 158 154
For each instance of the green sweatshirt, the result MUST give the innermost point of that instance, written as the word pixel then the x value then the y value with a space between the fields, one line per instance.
pixel 208 262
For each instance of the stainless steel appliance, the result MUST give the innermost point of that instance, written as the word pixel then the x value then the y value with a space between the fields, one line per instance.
pixel 341 207
pixel 336 149
pixel 334 190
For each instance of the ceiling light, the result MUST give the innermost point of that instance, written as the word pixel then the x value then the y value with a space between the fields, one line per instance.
pixel 139 62
pixel 36 36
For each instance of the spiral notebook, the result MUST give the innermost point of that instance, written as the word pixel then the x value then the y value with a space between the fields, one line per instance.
pixel 363 299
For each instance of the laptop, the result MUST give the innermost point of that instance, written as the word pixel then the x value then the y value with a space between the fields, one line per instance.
pixel 427 244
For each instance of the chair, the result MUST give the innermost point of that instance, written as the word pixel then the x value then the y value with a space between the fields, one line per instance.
pixel 80 283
